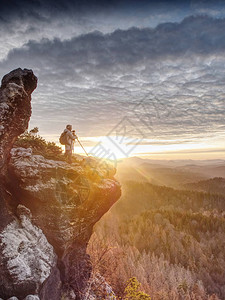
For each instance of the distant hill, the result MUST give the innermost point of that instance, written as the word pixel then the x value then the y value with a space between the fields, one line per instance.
pixel 175 173
pixel 208 170
pixel 214 185
pixel 174 163
pixel 169 176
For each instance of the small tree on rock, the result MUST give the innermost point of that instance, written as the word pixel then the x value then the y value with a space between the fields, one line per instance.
pixel 132 291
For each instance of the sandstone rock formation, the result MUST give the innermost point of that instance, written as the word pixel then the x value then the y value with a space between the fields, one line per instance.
pixel 47 208
pixel 27 258
pixel 15 109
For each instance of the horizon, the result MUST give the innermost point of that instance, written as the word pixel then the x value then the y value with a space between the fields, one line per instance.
pixel 167 151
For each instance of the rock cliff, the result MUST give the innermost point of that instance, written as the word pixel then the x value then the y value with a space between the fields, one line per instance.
pixel 47 208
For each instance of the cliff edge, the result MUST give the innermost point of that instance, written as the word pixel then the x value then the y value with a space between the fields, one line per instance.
pixel 47 208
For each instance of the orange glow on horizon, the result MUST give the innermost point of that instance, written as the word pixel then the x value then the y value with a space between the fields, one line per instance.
pixel 119 147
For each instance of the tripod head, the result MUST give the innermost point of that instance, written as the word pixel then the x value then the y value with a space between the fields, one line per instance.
pixel 74 134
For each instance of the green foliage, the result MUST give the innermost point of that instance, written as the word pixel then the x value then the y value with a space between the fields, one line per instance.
pixel 31 139
pixel 34 130
pixel 132 291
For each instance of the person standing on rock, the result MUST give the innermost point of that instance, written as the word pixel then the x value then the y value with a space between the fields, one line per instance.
pixel 70 138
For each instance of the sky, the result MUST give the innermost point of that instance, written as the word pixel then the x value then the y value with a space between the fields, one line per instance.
pixel 143 78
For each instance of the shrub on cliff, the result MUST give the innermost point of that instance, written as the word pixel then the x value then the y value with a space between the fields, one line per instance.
pixel 132 290
pixel 31 139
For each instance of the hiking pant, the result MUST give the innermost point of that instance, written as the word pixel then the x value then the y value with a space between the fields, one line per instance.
pixel 68 155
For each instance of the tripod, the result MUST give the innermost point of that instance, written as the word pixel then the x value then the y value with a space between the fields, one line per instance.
pixel 80 142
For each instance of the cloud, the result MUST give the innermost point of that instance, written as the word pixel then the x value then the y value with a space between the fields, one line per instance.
pixel 59 7
pixel 199 35
pixel 26 7
pixel 23 20
pixel 169 81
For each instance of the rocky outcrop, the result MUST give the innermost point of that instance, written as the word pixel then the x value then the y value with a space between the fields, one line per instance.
pixel 27 259
pixel 15 112
pixel 48 207
pixel 98 288
pixel 15 109
pixel 66 201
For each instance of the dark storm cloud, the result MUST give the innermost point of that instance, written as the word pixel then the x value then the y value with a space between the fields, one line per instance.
pixel 23 20
pixel 81 16
pixel 195 35
pixel 35 7
pixel 42 10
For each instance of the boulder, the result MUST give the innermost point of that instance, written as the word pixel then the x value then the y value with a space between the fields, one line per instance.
pixel 26 257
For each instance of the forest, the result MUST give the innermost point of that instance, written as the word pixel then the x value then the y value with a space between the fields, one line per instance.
pixel 171 240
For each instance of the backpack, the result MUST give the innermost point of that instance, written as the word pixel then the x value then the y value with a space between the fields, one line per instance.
pixel 63 138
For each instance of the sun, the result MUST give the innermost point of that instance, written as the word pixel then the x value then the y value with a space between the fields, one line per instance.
pixel 107 147
pixel 111 147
